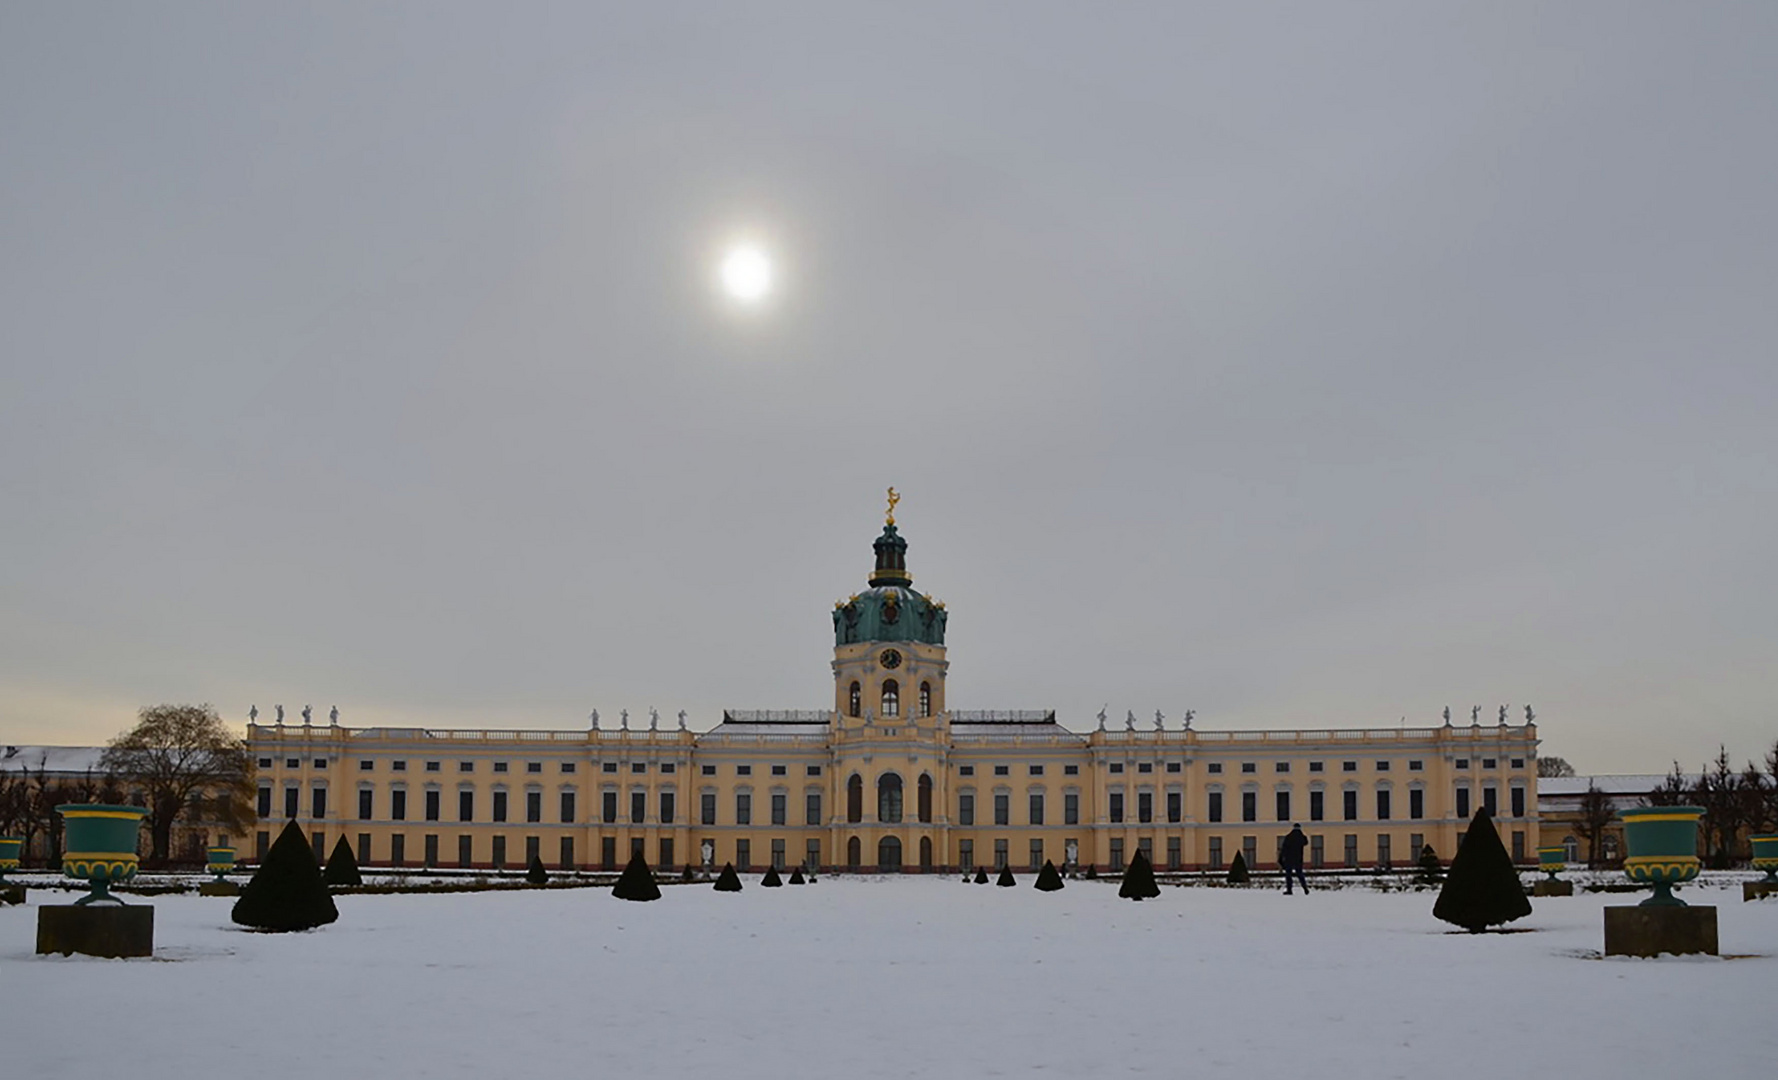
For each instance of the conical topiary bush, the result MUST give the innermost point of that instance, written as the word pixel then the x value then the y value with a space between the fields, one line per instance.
pixel 286 892
pixel 1482 886
pixel 1139 881
pixel 771 880
pixel 1430 867
pixel 342 866
pixel 728 880
pixel 1005 879
pixel 636 882
pixel 1048 880
pixel 535 873
pixel 796 875
pixel 1238 874
pixel 981 875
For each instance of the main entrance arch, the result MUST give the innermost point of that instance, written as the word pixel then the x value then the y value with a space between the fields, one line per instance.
pixel 889 855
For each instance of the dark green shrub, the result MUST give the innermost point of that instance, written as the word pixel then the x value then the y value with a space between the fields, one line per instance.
pixel 1048 880
pixel 1139 883
pixel 636 882
pixel 728 880
pixel 981 875
pixel 535 873
pixel 1005 879
pixel 1482 888
pixel 686 876
pixel 342 866
pixel 796 875
pixel 1238 874
pixel 286 892
pixel 1431 869
pixel 771 880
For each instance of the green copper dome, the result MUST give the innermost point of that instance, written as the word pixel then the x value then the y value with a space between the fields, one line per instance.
pixel 890 610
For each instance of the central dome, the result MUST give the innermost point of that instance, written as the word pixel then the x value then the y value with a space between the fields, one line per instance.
pixel 890 610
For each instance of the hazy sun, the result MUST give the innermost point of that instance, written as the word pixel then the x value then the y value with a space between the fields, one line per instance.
pixel 746 274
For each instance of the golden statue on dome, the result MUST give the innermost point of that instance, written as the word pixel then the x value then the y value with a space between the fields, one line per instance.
pixel 889 517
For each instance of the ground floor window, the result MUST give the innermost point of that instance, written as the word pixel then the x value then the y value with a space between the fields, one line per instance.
pixel 398 849
pixel 1250 851
pixel 1317 852
pixel 743 855
pixel 965 854
pixel 1000 854
pixel 1146 846
pixel 1518 845
pixel 1416 841
pixel 666 852
pixel 263 842
pixel 431 849
pixel 319 840
pixel 1351 850
pixel 1216 853
pixel 1117 854
pixel 363 849
pixel 499 854
pixel 465 850
pixel 1383 852
pixel 777 854
pixel 1174 853
pixel 533 849
pixel 1037 854
pixel 812 857
pixel 567 853
pixel 854 853
pixel 608 852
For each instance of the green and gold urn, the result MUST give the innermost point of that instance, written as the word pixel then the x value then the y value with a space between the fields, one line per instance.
pixel 1765 854
pixel 1662 842
pixel 1551 860
pixel 9 854
pixel 219 861
pixel 101 846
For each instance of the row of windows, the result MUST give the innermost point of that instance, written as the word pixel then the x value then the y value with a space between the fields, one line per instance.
pixel 890 700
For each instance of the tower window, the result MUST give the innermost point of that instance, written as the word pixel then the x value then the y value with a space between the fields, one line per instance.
pixel 925 699
pixel 854 701
pixel 891 698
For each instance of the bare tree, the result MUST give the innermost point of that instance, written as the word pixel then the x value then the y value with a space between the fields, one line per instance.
pixel 174 752
pixel 1597 812
pixel 1554 767
pixel 1675 790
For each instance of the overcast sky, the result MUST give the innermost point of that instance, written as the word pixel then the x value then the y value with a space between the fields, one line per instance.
pixel 1303 365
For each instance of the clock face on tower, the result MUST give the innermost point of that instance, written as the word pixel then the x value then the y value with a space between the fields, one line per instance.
pixel 890 659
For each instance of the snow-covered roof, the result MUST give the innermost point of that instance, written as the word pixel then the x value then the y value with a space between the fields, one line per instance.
pixel 779 727
pixel 51 759
pixel 1617 784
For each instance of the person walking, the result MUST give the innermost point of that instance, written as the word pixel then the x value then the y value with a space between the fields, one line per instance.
pixel 1290 857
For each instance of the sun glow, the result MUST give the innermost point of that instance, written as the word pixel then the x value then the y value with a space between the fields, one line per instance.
pixel 746 274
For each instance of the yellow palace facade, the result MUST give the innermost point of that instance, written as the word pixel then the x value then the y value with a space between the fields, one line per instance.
pixel 889 778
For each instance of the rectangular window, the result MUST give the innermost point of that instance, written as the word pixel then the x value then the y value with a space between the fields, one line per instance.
pixel 465 766
pixel 667 807
pixel 743 808
pixel 966 854
pixel 1002 808
pixel 966 808
pixel 1174 853
pixel 319 842
pixel 1317 766
pixel 1416 766
pixel 1174 766
pixel 1000 854
pixel 431 850
pixel 1383 806
pixel 966 770
pixel 1036 855
pixel 1518 802
pixel 262 842
pixel 363 849
pixel 709 770
pixel 780 808
pixel 1351 850
pixel 1002 770
pixel 1250 851
pixel 533 767
pixel 608 852
pixel 1416 841
pixel 433 800
pixel 1382 766
pixel 1282 766
pixel 533 806
pixel 500 806
pixel 432 766
pixel 638 806
pixel 1249 767
pixel 398 805
pixel 1487 763
pixel 1385 857
pixel 812 852
pixel 743 770
pixel 1071 808
pixel 1250 806
pixel 1518 846
pixel 1349 799
pixel 638 767
pixel 398 849
pixel 1117 767
pixel 1461 763
pixel 465 851
pixel 499 854
pixel 1215 813
pixel 1175 807
pixel 1317 852
pixel 1035 770
pixel 292 801
pixel 1071 770
pixel 1145 807
pixel 398 766
pixel 365 796
pixel 1214 767
pixel 565 856
pixel 1462 802
pixel 608 808
pixel 812 808
pixel 1145 767
pixel 1117 854
pixel 777 854
pixel 533 848
pixel 707 808
pixel 500 766
pixel 265 802
pixel 1282 799
pixel 1117 807
pixel 813 770
pixel 1491 800
pixel 1037 808
pixel 779 770
pixel 465 806
pixel 1518 763
pixel 1416 805
pixel 743 855
pixel 366 765
pixel 568 766
pixel 1216 853
pixel 265 762
pixel 668 768
pixel 293 763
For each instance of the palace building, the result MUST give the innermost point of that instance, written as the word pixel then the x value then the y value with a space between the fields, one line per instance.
pixel 890 778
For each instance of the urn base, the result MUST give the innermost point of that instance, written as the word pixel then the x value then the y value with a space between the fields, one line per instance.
pixel 1651 931
pixel 1553 888
pixel 219 888
pixel 12 894
pixel 1758 890
pixel 107 930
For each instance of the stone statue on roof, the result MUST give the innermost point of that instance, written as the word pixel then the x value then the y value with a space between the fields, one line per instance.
pixel 1530 716
pixel 1189 713
pixel 1129 719
pixel 1101 719
pixel 1157 720
pixel 252 713
pixel 1447 716
pixel 280 709
pixel 593 718
pixel 624 715
pixel 306 720
pixel 333 717
pixel 681 719
pixel 1503 716
pixel 654 719
pixel 1475 714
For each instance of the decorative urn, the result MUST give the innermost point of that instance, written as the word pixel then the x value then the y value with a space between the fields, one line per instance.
pixel 219 861
pixel 1765 855
pixel 1663 849
pixel 1551 860
pixel 10 846
pixel 101 846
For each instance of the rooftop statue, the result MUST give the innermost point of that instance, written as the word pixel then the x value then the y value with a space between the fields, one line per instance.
pixel 1101 719
pixel 252 713
pixel 654 719
pixel 681 719
pixel 280 709
pixel 889 517
pixel 1157 720
pixel 1189 713
pixel 333 716
pixel 624 715
pixel 306 720
pixel 594 718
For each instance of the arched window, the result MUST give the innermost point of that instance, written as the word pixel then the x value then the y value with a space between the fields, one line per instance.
pixel 891 699
pixel 854 702
pixel 1570 849
pixel 889 855
pixel 925 797
pixel 925 699
pixel 855 799
pixel 854 853
pixel 889 798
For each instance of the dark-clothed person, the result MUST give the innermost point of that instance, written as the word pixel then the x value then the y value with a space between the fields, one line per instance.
pixel 1290 857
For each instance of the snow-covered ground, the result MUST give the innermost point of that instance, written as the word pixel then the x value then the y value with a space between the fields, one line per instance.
pixel 898 977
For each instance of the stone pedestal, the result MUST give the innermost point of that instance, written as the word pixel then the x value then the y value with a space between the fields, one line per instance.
pixel 108 930
pixel 219 888
pixel 12 894
pixel 1758 890
pixel 1552 888
pixel 1651 931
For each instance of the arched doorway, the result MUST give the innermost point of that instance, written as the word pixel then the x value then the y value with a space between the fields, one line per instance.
pixel 924 804
pixel 854 854
pixel 889 798
pixel 925 853
pixel 855 799
pixel 889 855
